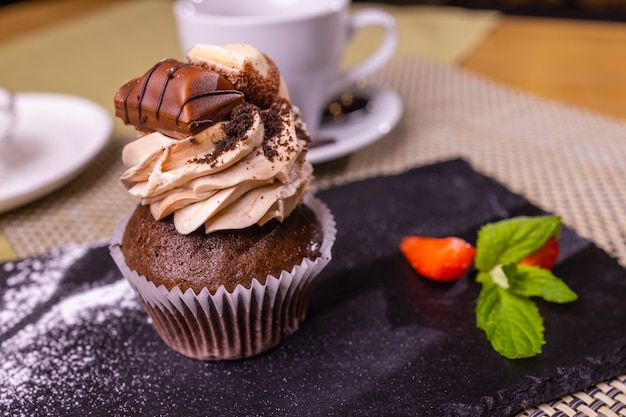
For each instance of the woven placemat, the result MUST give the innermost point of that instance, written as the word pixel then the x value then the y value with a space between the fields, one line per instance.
pixel 606 399
pixel 566 160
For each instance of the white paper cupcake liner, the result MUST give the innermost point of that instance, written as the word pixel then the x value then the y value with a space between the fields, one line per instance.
pixel 230 325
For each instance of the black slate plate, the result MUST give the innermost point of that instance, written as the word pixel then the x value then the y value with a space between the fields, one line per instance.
pixel 378 340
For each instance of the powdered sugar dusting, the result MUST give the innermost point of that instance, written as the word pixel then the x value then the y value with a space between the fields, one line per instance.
pixel 54 323
pixel 76 341
pixel 31 282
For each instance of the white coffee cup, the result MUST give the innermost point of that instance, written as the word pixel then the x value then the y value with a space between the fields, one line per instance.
pixel 306 39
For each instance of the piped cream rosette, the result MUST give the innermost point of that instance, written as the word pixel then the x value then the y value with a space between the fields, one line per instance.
pixel 240 188
pixel 231 325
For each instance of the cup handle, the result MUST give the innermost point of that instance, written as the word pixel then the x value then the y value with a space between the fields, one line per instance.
pixel 362 19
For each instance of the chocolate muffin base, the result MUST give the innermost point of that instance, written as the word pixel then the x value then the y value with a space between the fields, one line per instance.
pixel 232 257
pixel 231 324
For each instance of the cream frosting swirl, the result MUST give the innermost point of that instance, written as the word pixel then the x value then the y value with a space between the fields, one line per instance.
pixel 238 172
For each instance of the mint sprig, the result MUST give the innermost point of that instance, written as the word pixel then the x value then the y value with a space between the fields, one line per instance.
pixel 513 239
pixel 505 312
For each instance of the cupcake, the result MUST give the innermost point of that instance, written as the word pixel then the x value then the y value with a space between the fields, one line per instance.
pixel 225 242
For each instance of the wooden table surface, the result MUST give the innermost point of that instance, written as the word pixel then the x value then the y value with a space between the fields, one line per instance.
pixel 582 63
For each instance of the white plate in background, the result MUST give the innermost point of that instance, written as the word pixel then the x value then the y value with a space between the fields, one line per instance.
pixel 54 137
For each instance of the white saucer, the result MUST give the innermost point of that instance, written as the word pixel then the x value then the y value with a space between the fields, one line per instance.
pixel 55 136
pixel 358 131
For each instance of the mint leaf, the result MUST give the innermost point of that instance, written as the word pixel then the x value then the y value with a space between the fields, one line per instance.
pixel 513 239
pixel 482 277
pixel 511 323
pixel 531 281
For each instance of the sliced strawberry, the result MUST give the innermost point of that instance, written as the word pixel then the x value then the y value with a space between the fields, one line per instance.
pixel 544 257
pixel 440 259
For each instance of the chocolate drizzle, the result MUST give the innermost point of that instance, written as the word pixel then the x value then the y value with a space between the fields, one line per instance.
pixel 170 75
pixel 176 99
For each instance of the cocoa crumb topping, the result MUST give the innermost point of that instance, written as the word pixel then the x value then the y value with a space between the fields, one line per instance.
pixel 270 152
pixel 241 120
pixel 235 131
pixel 274 119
